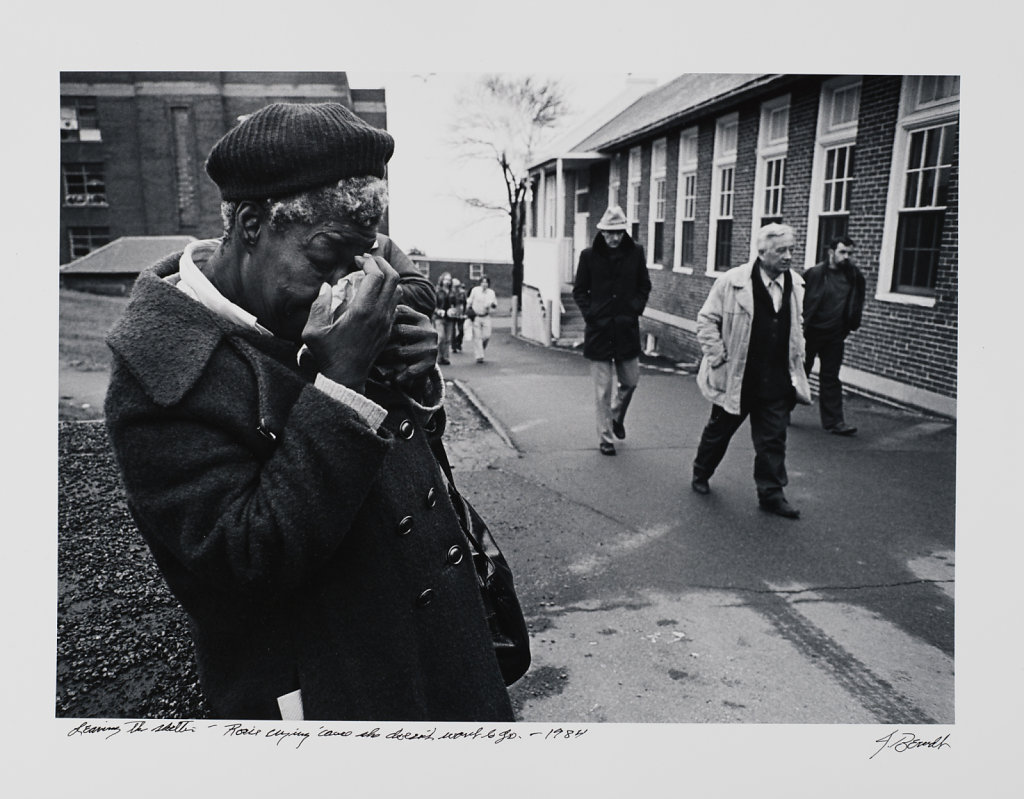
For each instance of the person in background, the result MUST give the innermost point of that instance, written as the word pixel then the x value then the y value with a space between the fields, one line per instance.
pixel 750 331
pixel 481 301
pixel 458 314
pixel 833 303
pixel 611 289
pixel 276 450
pixel 442 318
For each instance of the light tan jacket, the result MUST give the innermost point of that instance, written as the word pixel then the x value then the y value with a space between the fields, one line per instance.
pixel 723 330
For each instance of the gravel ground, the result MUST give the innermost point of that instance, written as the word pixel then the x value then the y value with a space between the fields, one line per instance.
pixel 123 647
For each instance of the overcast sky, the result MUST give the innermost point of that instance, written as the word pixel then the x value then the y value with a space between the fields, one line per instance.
pixel 426 178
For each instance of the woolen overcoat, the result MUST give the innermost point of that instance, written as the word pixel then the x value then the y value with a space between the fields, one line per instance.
pixel 611 289
pixel 310 552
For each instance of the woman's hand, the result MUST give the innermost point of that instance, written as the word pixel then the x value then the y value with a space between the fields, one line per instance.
pixel 346 347
pixel 411 350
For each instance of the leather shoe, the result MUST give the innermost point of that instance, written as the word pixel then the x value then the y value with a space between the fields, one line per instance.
pixel 618 428
pixel 606 448
pixel 842 429
pixel 779 507
pixel 700 485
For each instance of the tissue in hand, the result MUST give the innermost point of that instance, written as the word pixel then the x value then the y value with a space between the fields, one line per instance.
pixel 344 290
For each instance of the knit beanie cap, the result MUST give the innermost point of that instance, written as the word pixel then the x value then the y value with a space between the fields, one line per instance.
pixel 287 148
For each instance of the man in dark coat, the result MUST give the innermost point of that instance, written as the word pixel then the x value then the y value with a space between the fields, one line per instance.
pixel 833 303
pixel 611 290
pixel 271 406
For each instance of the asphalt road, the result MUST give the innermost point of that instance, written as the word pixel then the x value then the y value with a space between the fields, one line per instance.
pixel 650 603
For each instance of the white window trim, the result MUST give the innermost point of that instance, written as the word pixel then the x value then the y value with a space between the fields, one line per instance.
pixel 720 162
pixel 686 167
pixel 549 228
pixel 933 115
pixel 651 215
pixel 614 180
pixel 634 179
pixel 766 151
pixel 825 140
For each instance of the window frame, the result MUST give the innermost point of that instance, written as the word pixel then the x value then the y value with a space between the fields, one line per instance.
pixel 82 167
pixel 913 117
pixel 88 232
pixel 77 103
pixel 614 179
pixel 686 203
pixel 659 198
pixel 831 136
pixel 723 158
pixel 634 181
pixel 770 150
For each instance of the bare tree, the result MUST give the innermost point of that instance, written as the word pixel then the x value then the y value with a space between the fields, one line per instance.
pixel 505 120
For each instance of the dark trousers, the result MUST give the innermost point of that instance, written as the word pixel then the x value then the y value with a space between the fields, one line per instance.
pixel 769 420
pixel 457 334
pixel 829 350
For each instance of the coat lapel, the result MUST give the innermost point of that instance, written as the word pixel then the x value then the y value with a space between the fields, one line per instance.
pixel 169 365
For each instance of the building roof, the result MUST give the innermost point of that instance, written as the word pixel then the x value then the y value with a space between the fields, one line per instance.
pixel 675 100
pixel 566 144
pixel 126 255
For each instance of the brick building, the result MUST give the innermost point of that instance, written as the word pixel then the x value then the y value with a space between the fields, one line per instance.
pixel 133 145
pixel 468 271
pixel 700 163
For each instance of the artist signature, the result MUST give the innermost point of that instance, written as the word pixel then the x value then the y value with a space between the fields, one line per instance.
pixel 905 741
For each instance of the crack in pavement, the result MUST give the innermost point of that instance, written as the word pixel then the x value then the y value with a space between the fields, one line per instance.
pixel 816 589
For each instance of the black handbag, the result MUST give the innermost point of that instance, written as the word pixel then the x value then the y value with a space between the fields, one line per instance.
pixel 497 589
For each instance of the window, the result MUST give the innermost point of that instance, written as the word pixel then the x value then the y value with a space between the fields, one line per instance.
pixel 633 193
pixel 78 119
pixel 843 103
pixel 614 180
pixel 770 170
pixel 423 267
pixel 582 192
pixel 936 88
pixel 924 150
pixel 774 183
pixel 549 206
pixel 832 173
pixel 659 197
pixel 834 218
pixel 84 240
pixel 184 166
pixel 926 186
pixel 84 184
pixel 722 191
pixel 723 228
pixel 686 199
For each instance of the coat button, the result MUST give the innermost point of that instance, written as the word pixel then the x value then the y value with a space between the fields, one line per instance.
pixel 406 429
pixel 405 526
pixel 265 431
pixel 455 555
pixel 431 497
pixel 425 598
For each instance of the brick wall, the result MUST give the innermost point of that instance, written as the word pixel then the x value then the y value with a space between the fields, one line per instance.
pixel 139 148
pixel 907 343
pixel 911 344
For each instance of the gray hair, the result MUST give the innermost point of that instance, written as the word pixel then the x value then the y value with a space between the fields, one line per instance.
pixel 361 200
pixel 772 230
